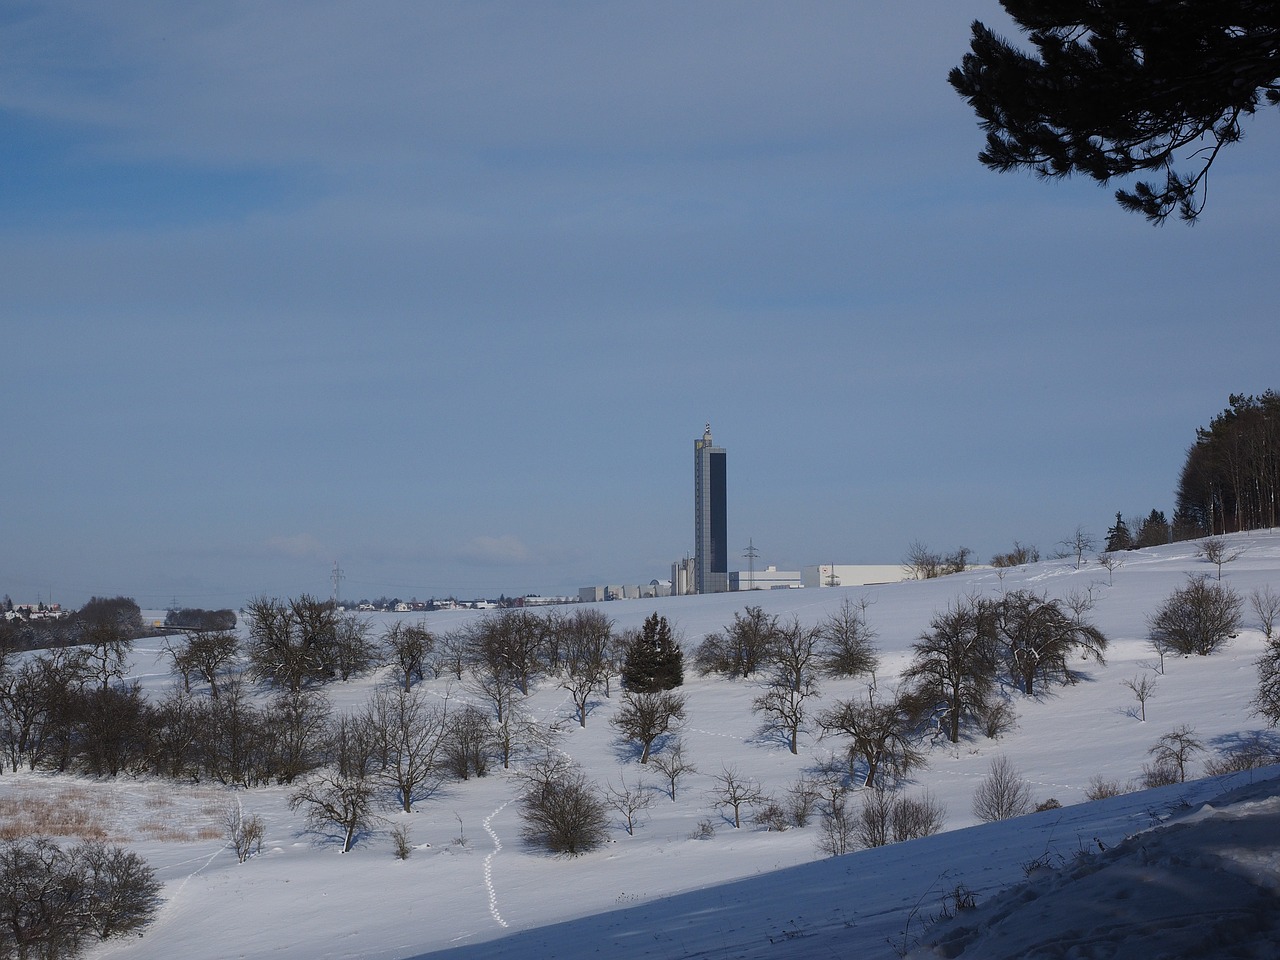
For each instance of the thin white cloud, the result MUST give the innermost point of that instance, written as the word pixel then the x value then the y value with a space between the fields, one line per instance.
pixel 299 546
pixel 504 550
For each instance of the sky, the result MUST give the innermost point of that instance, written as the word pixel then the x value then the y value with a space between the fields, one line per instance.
pixel 445 292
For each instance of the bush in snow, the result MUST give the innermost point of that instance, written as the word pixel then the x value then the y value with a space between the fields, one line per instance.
pixel 561 810
pixel 1199 618
pixel 1002 794
pixel 54 900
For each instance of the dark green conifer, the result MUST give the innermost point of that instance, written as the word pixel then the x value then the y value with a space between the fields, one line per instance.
pixel 654 661
pixel 1118 537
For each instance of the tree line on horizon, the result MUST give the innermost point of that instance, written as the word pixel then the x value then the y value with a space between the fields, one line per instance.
pixel 1229 482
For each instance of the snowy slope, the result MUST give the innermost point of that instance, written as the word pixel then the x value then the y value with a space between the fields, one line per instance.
pixel 474 889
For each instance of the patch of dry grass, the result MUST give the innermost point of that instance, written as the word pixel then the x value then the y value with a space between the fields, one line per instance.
pixel 114 811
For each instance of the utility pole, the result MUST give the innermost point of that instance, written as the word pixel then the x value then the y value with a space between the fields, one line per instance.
pixel 751 553
pixel 336 577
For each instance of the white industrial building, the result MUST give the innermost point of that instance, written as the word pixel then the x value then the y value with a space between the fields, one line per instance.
pixel 851 574
pixel 770 578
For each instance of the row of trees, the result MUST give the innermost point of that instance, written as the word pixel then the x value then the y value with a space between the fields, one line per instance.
pixel 197 618
pixel 1231 477
pixel 921 563
pixel 1138 532
pixel 115 619
pixel 789 659
pixel 1023 637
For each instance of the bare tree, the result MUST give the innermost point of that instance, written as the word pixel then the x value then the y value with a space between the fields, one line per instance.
pixel 871 824
pixel 784 711
pixel 1142 687
pixel 629 801
pixel 802 800
pixel 210 652
pixel 1111 563
pixel 733 791
pixel 1266 604
pixel 1002 793
pixel 848 642
pixel 236 747
pixel 178 733
pixel 494 683
pixel 509 645
pixel 353 650
pixel 410 735
pixel 1078 544
pixel 790 683
pixel 957 561
pixel 921 563
pixel 296 725
pixel 1100 788
pixel 1216 551
pixel 585 649
pixel 1248 752
pixel 106 628
pixel 291 643
pixel 106 651
pixel 1161 648
pixel 673 765
pixel 1267 702
pixel 1175 749
pixel 1198 618
pixel 336 806
pixel 356 746
pixel 914 817
pixel 519 733
pixel 1037 637
pixel 57 898
pixel 880 735
pixel 953 671
pixel 468 745
pixel 620 644
pixel 885 817
pixel 1020 555
pixel 244 833
pixel 110 730
pixel 1080 602
pixel 451 654
pixel 838 834
pixel 35 706
pixel 644 717
pixel 742 648
pixel 401 842
pixel 406 650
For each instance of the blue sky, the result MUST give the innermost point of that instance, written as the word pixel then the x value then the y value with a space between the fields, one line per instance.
pixel 445 292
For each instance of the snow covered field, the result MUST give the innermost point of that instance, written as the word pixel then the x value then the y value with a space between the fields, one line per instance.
pixel 1207 875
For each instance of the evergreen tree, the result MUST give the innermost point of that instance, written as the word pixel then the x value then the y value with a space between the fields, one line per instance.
pixel 1113 90
pixel 1118 537
pixel 653 661
pixel 1154 530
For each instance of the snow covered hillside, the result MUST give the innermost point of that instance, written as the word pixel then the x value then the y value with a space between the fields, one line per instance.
pixel 672 890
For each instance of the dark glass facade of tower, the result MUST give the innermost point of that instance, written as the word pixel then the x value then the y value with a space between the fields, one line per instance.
pixel 710 516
